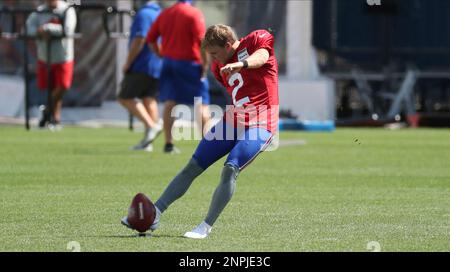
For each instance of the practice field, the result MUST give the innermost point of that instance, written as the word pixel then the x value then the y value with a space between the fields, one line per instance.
pixel 337 192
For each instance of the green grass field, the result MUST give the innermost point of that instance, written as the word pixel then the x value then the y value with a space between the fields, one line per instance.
pixel 336 193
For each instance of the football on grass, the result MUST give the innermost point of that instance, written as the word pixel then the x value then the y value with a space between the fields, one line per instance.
pixel 141 213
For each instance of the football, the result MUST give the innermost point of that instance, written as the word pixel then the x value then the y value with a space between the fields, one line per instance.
pixel 141 213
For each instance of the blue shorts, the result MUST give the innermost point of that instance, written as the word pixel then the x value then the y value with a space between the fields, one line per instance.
pixel 181 81
pixel 243 145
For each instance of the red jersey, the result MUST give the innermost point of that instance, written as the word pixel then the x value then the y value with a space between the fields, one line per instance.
pixel 254 91
pixel 181 28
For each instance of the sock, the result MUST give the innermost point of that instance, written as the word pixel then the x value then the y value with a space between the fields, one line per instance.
pixel 158 214
pixel 223 193
pixel 179 185
pixel 147 133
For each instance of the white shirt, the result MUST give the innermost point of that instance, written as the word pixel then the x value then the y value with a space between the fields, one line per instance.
pixel 62 50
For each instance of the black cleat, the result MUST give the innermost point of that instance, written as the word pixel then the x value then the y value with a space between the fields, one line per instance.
pixel 171 149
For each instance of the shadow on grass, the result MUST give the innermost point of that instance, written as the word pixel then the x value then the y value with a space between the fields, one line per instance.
pixel 147 235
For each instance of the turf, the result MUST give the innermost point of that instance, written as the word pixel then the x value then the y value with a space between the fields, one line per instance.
pixel 337 192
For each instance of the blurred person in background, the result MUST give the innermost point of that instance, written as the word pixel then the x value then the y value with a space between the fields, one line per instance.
pixel 183 76
pixel 141 73
pixel 47 25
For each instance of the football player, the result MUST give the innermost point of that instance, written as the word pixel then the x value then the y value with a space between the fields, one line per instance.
pixel 248 69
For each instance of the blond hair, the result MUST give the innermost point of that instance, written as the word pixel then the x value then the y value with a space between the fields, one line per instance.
pixel 218 35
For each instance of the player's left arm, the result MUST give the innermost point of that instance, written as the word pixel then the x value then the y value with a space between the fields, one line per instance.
pixel 255 61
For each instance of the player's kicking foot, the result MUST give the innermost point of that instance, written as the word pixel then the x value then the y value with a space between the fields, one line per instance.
pixel 153 227
pixel 200 232
pixel 171 149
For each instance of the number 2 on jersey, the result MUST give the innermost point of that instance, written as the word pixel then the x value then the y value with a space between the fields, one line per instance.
pixel 231 81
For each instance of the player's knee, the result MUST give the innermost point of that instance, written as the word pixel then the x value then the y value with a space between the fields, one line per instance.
pixel 192 168
pixel 233 161
pixel 230 172
pixel 200 160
